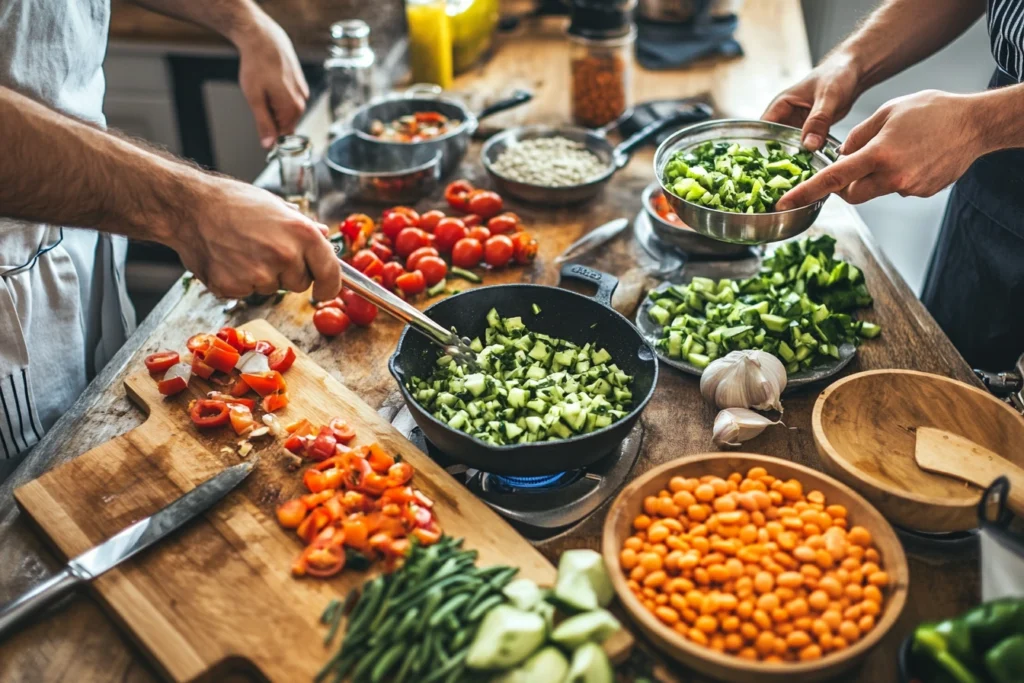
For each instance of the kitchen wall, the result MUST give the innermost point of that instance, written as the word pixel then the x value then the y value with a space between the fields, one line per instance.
pixel 905 227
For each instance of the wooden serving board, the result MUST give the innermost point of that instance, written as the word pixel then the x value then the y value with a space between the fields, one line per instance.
pixel 217 597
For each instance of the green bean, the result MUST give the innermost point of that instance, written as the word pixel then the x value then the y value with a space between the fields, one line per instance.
pixel 433 600
pixel 465 634
pixel 448 608
pixel 385 602
pixel 451 665
pixel 452 623
pixel 407 662
pixel 366 663
pixel 366 606
pixel 478 596
pixel 456 674
pixel 407 623
pixel 387 661
pixel 443 582
pixel 501 579
pixel 328 613
pixel 426 652
pixel 485 607
pixel 336 661
pixel 383 632
pixel 440 654
pixel 335 623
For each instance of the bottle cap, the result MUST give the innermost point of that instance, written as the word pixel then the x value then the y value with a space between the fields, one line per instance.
pixel 351 34
pixel 601 19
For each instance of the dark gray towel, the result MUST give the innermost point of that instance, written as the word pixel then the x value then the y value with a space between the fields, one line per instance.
pixel 668 46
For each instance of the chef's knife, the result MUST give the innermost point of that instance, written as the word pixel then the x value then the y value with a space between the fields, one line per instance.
pixel 125 544
pixel 592 240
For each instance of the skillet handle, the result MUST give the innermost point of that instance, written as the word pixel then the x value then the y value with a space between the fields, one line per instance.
pixel 514 100
pixel 606 283
pixel 693 114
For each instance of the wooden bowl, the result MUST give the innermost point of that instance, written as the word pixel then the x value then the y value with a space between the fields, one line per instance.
pixel 727 667
pixel 865 428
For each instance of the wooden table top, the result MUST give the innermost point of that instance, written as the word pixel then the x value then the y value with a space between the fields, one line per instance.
pixel 79 642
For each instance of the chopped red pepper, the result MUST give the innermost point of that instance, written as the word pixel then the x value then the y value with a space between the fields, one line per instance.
pixel 161 361
pixel 282 359
pixel 206 413
pixel 274 402
pixel 265 383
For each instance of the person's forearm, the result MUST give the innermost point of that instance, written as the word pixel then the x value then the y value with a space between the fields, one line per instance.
pixel 233 19
pixel 901 33
pixel 59 170
pixel 996 118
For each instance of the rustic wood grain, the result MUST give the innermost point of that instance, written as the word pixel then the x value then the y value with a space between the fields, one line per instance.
pixel 618 526
pixel 865 430
pixel 201 601
pixel 677 422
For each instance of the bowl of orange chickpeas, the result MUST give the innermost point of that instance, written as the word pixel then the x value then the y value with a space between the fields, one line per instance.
pixel 748 567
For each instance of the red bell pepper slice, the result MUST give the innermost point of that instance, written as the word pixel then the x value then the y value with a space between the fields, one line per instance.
pixel 265 383
pixel 240 340
pixel 199 342
pixel 323 446
pixel 199 366
pixel 161 361
pixel 206 413
pixel 221 359
pixel 274 402
pixel 239 388
pixel 264 347
pixel 231 398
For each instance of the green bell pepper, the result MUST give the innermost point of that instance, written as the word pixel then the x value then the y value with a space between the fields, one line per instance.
pixel 1005 661
pixel 993 621
pixel 934 646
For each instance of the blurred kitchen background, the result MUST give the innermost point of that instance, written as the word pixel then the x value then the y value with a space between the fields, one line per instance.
pixel 175 85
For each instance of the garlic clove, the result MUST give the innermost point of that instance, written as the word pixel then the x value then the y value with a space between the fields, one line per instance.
pixel 733 426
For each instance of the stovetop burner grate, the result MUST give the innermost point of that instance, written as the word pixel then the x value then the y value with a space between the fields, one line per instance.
pixel 539 506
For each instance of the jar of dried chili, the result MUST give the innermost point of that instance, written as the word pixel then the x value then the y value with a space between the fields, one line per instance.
pixel 601 37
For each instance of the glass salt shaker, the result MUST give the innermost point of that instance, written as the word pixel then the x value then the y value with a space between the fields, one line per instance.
pixel 348 70
pixel 294 155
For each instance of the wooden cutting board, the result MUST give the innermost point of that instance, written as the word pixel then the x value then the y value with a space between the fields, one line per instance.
pixel 217 597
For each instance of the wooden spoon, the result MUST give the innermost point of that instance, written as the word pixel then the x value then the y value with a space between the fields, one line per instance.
pixel 937 450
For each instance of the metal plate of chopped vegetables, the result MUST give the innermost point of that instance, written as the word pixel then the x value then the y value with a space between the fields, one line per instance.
pixel 798 308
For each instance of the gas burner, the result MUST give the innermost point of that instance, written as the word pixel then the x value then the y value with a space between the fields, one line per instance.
pixel 671 257
pixel 539 507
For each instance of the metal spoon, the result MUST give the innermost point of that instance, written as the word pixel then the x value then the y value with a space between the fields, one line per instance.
pixel 455 346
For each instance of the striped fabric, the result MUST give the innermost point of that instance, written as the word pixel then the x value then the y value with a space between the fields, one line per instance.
pixel 19 424
pixel 1006 34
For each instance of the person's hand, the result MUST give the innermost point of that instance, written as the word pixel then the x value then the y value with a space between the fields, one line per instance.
pixel 818 101
pixel 914 145
pixel 271 79
pixel 243 240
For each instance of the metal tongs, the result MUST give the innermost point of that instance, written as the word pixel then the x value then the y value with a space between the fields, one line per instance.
pixel 455 346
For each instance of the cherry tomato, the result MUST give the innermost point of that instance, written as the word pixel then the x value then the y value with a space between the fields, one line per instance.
pixel 206 413
pixel 433 268
pixel 457 194
pixel 414 257
pixel 331 321
pixel 265 347
pixel 525 247
pixel 343 431
pixel 161 361
pixel 282 359
pixel 355 226
pixel 447 233
pixel 430 219
pixel 467 253
pixel 392 269
pixel 361 311
pixel 411 239
pixel 383 251
pixel 506 222
pixel 394 223
pixel 367 262
pixel 471 219
pixel 404 210
pixel 485 203
pixel 479 232
pixel 412 283
pixel 498 251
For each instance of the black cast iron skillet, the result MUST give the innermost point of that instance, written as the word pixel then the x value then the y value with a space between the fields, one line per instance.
pixel 563 314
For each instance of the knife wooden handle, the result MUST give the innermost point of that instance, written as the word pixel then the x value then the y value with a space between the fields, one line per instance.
pixel 18 609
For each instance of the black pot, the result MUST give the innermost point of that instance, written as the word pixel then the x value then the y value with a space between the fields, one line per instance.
pixel 563 314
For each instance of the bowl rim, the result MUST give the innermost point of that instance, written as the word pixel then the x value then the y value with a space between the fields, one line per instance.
pixel 833 456
pixel 434 160
pixel 724 123
pixel 555 130
pixel 469 121
pixel 897 568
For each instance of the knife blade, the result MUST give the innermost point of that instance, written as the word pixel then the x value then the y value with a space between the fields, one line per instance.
pixel 126 544
pixel 592 239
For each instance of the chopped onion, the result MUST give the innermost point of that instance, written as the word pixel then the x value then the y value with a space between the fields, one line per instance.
pixel 274 424
pixel 253 362
pixel 182 370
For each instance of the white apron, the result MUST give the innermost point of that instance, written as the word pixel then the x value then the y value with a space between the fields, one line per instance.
pixel 64 310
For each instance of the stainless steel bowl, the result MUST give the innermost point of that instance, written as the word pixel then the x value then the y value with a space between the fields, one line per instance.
pixel 396 174
pixel 742 228
pixel 614 158
pixel 681 236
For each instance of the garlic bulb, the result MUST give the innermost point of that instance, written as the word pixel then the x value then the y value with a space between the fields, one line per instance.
pixel 733 426
pixel 744 379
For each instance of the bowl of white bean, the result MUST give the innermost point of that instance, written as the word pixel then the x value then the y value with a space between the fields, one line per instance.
pixel 558 165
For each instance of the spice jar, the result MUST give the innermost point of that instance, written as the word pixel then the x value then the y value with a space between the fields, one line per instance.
pixel 601 37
